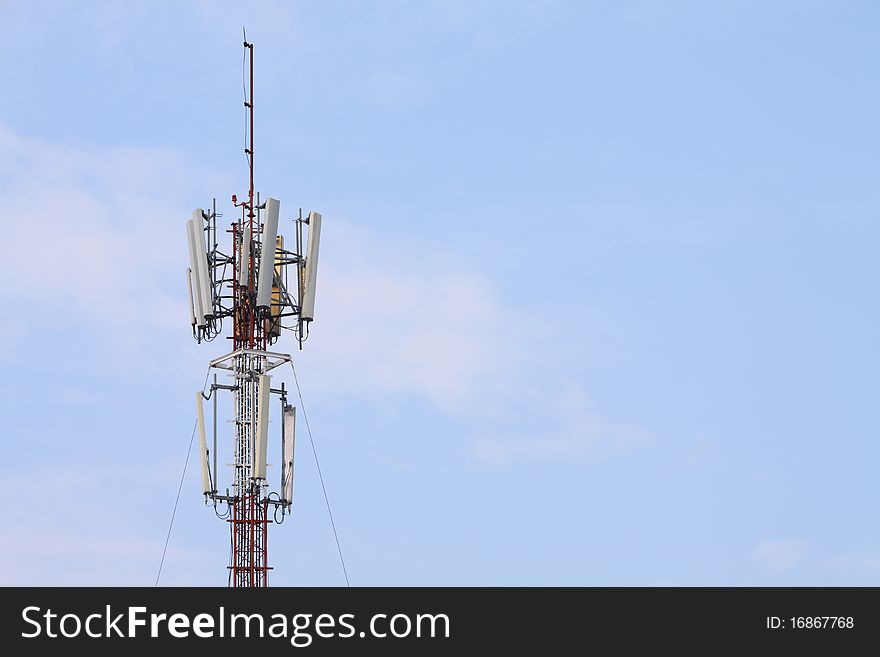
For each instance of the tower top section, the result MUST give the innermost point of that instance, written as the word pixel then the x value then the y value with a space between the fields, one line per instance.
pixel 249 283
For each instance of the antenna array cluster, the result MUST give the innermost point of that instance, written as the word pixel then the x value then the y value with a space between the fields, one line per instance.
pixel 256 270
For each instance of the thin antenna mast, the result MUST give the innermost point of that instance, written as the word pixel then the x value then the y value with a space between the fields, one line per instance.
pixel 249 151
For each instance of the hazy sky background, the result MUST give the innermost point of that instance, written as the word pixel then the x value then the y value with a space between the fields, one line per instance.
pixel 597 301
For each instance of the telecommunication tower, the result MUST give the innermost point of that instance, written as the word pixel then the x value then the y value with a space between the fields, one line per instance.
pixel 248 286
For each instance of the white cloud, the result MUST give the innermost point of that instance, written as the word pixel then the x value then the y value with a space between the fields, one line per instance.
pixel 99 244
pixel 99 252
pixel 572 430
pixel 394 319
pixel 93 231
pixel 392 328
pixel 394 322
pixel 780 555
pixel 77 529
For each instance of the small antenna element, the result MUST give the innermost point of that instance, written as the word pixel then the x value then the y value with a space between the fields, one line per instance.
pixel 311 270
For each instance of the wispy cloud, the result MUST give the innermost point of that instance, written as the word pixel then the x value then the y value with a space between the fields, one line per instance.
pixel 100 237
pixel 72 532
pixel 396 322
pixel 780 555
pixel 97 237
pixel 570 428
pixel 103 241
pixel 388 327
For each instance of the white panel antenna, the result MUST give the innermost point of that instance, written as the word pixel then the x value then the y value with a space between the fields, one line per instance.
pixel 204 287
pixel 189 294
pixel 307 309
pixel 244 264
pixel 258 469
pixel 203 447
pixel 267 254
pixel 288 441
pixel 194 271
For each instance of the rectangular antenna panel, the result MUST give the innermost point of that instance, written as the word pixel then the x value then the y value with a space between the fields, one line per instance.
pixel 204 281
pixel 189 295
pixel 194 271
pixel 307 309
pixel 258 468
pixel 288 441
pixel 203 446
pixel 275 324
pixel 244 263
pixel 267 254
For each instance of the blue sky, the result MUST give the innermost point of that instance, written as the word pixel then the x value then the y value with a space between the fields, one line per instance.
pixel 597 301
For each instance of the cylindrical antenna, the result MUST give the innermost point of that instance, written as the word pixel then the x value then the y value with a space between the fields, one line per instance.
pixel 203 279
pixel 288 442
pixel 307 311
pixel 203 446
pixel 195 273
pixel 258 469
pixel 267 254
pixel 189 293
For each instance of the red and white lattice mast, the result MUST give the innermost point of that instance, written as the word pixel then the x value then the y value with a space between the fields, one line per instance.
pixel 249 287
